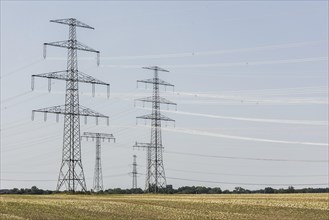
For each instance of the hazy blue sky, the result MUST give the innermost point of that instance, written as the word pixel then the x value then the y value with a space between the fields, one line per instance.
pixel 251 82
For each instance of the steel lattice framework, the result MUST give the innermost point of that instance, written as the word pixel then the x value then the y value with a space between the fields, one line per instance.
pixel 155 173
pixel 71 171
pixel 98 176
pixel 134 173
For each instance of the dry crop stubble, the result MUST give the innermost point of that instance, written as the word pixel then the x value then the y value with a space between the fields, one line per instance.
pixel 243 206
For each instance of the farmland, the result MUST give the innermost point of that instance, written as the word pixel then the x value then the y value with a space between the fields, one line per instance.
pixel 243 206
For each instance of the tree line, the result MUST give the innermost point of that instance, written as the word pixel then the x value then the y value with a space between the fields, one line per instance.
pixel 170 190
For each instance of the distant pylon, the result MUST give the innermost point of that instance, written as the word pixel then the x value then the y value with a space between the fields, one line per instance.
pixel 98 176
pixel 155 174
pixel 71 172
pixel 134 173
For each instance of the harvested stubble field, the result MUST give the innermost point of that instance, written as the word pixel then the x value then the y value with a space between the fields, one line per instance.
pixel 257 206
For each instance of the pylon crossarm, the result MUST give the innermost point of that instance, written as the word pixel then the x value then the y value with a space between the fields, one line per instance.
pixel 143 145
pixel 155 68
pixel 161 100
pixel 84 111
pixel 153 81
pixel 65 44
pixel 72 21
pixel 52 75
pixel 60 109
pixel 153 117
pixel 81 46
pixel 101 136
pixel 85 78
pixel 146 147
pixel 87 112
pixel 68 44
pixel 140 144
pixel 63 75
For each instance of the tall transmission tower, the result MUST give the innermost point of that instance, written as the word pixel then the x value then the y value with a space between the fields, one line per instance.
pixel 134 172
pixel 98 176
pixel 155 174
pixel 71 171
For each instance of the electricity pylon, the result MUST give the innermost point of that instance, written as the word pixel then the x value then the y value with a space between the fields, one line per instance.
pixel 71 172
pixel 98 176
pixel 155 174
pixel 134 173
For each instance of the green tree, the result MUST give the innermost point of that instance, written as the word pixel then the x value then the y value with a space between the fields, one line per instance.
pixel 269 190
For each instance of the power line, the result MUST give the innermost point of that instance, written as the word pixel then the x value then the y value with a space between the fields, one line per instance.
pixel 246 175
pixel 219 135
pixel 26 180
pixel 26 172
pixel 22 101
pixel 15 96
pixel 231 64
pixel 115 175
pixel 31 144
pixel 261 120
pixel 187 171
pixel 191 180
pixel 269 92
pixel 51 180
pixel 216 52
pixel 42 172
pixel 246 158
pixel 21 68
pixel 251 184
pixel 5 108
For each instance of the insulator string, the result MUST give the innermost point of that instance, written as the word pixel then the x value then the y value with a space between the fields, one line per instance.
pixel 49 84
pixel 93 89
pixel 32 83
pixel 44 51
pixel 98 59
pixel 32 117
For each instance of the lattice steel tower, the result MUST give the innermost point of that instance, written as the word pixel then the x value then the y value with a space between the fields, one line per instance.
pixel 71 172
pixel 134 173
pixel 155 174
pixel 98 176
